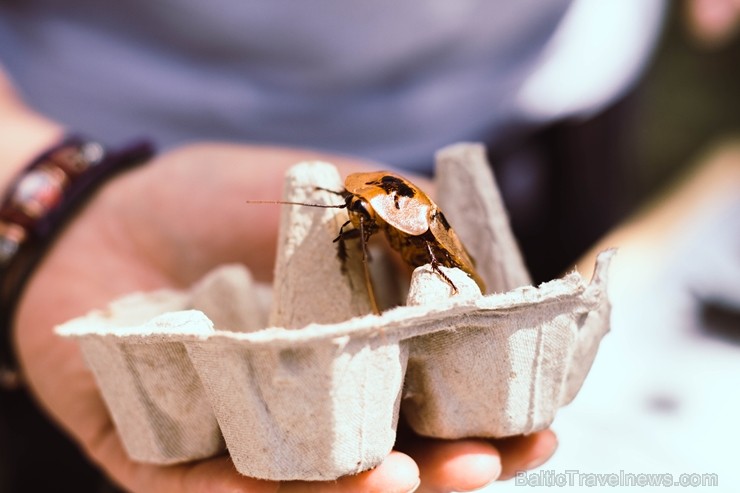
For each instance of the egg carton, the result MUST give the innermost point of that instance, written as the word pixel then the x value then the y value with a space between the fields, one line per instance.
pixel 310 385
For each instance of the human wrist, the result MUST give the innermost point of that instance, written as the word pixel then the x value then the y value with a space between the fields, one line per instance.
pixel 26 134
pixel 35 206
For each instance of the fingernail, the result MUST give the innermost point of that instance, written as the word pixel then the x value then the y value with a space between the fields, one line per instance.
pixel 415 487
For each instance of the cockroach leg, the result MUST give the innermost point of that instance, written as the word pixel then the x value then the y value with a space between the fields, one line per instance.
pixel 344 235
pixel 341 194
pixel 435 267
pixel 340 240
pixel 364 236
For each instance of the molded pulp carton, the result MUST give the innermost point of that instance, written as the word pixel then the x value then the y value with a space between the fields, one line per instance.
pixel 312 387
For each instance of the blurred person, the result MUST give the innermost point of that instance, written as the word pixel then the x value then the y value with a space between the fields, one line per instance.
pixel 276 84
pixel 713 22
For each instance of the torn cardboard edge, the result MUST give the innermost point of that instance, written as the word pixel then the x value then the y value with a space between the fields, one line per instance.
pixel 168 316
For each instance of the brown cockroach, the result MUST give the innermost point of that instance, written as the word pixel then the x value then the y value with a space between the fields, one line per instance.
pixel 412 222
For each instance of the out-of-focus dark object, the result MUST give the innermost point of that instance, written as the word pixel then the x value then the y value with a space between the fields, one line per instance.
pixel 721 321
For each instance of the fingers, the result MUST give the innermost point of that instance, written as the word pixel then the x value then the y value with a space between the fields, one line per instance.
pixel 459 465
pixel 455 465
pixel 467 465
pixel 525 452
pixel 397 474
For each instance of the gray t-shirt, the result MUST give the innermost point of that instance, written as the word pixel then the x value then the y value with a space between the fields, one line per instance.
pixel 385 79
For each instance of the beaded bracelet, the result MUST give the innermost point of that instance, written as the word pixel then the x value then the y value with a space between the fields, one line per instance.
pixel 36 206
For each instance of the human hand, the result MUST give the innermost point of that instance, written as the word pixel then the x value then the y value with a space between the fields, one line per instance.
pixel 165 225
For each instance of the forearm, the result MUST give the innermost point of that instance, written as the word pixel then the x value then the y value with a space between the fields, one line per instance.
pixel 23 132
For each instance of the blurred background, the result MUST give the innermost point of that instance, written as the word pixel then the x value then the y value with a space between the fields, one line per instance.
pixel 688 101
pixel 662 396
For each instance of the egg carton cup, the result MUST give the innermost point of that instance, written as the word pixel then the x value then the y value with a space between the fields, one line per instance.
pixel 310 386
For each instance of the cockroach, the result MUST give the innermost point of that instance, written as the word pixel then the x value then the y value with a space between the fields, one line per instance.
pixel 412 222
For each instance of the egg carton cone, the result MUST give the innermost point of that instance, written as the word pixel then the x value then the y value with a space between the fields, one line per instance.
pixel 312 385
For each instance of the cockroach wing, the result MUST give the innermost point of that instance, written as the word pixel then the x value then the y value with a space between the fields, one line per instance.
pixel 397 201
pixel 356 183
pixel 406 214
pixel 448 239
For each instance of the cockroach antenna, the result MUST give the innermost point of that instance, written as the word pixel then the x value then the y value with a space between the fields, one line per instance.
pixel 285 202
